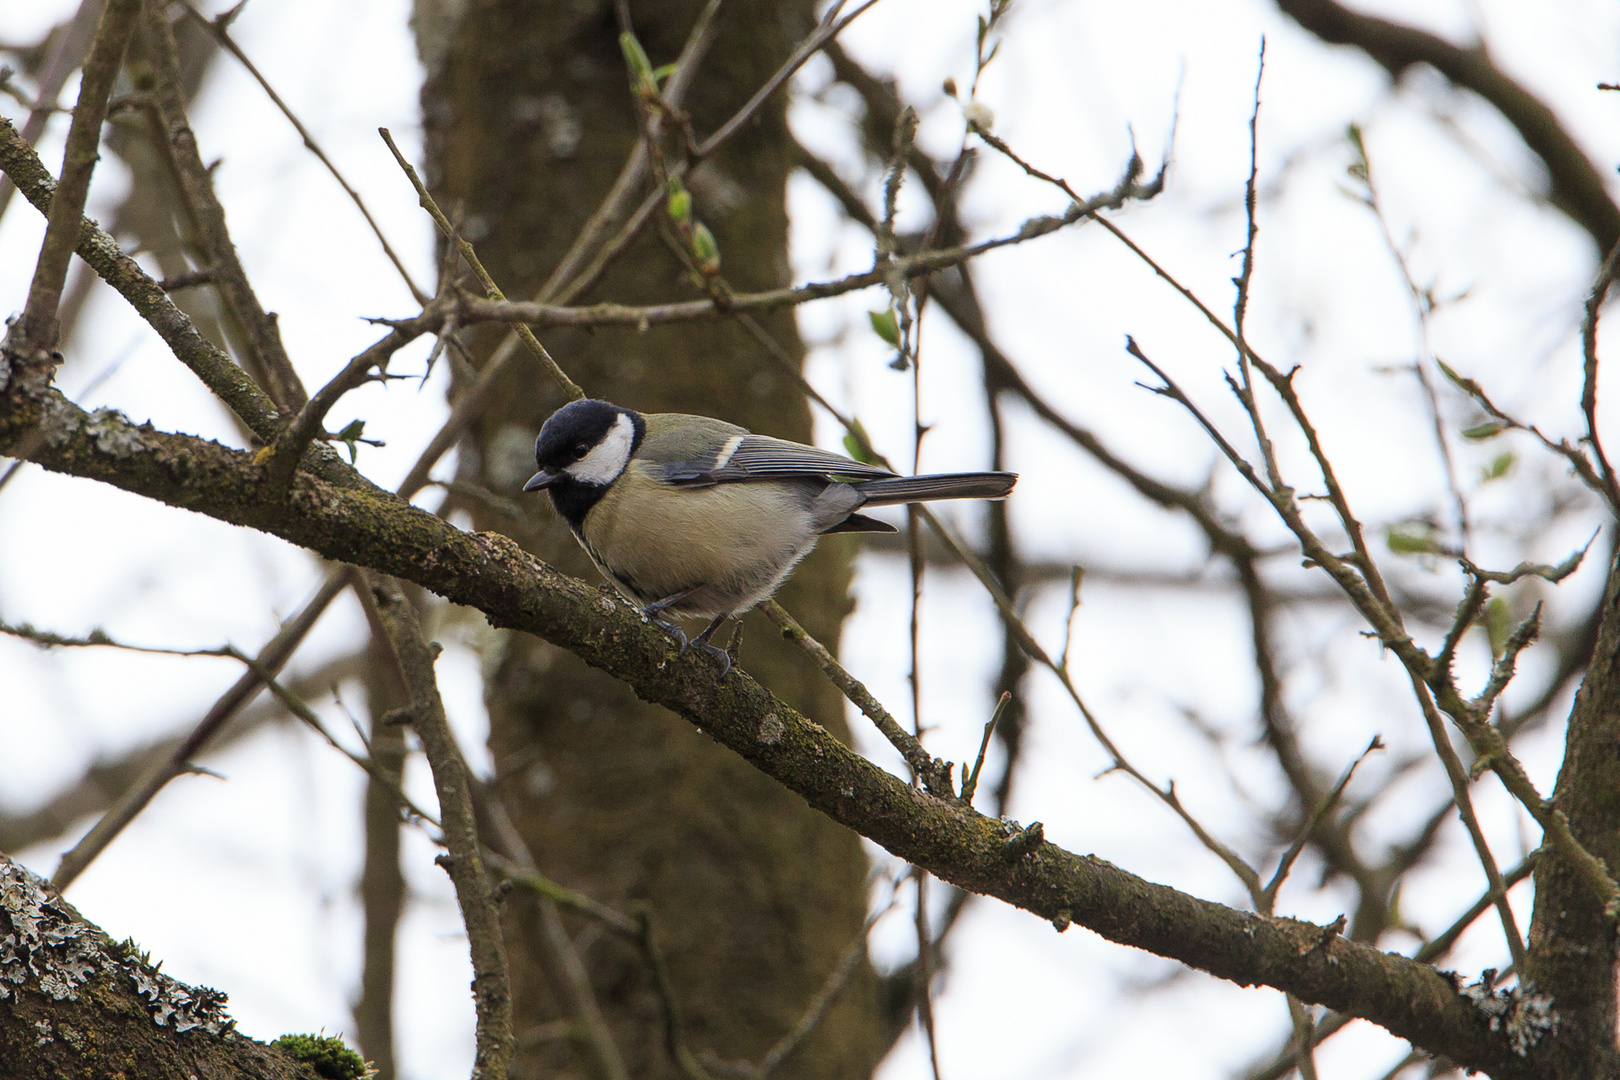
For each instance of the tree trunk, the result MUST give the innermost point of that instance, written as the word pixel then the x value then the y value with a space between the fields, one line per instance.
pixel 1572 942
pixel 528 119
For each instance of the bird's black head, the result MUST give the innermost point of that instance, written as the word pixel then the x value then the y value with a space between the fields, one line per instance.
pixel 581 451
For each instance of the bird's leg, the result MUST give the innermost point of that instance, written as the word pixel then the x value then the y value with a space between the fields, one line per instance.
pixel 652 611
pixel 702 642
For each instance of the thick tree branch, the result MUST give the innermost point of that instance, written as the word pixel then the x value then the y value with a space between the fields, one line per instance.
pixel 364 525
pixel 73 1003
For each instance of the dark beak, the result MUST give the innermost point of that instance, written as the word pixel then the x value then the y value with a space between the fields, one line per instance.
pixel 543 479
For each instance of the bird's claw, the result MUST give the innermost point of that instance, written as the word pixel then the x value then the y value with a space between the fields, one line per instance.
pixel 720 655
pixel 667 627
pixel 651 614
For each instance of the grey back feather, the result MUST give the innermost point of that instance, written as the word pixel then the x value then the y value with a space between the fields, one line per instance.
pixel 759 457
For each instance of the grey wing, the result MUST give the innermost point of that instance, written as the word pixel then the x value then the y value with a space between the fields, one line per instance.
pixel 760 457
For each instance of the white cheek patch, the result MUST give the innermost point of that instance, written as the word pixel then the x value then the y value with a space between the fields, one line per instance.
pixel 608 458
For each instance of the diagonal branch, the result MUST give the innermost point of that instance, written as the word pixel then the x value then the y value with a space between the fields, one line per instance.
pixel 216 28
pixel 34 335
pixel 148 297
pixel 953 842
pixel 270 660
pixel 72 41
pixel 268 356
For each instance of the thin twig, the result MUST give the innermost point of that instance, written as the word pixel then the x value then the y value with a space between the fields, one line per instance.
pixel 1465 810
pixel 295 705
pixel 924 973
pixel 491 289
pixel 72 40
pixel 1589 358
pixel 915 265
pixel 269 659
pixel 832 24
pixel 911 751
pixel 1304 1053
pixel 1240 305
pixel 216 28
pixel 47 639
pixel 537 883
pixel 816 1011
pixel 970 783
pixel 1286 863
pixel 1578 461
pixel 1422 306
pixel 634 171
pixel 559 949
pixel 674 1039
pixel 282 458
pixel 1032 648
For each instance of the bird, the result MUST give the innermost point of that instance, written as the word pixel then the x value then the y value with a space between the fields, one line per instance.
pixel 693 517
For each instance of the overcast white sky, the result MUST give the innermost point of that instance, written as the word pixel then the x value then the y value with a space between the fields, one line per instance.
pixel 247 883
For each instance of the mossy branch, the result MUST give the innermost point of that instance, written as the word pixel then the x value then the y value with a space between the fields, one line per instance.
pixel 362 524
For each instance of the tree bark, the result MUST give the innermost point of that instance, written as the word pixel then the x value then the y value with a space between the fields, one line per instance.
pixel 529 118
pixel 382 882
pixel 1572 945
pixel 73 1003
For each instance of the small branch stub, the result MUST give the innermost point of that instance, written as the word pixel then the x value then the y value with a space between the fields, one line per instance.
pixel 1024 842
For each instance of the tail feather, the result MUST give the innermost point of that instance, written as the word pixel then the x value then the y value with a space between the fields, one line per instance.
pixel 912 489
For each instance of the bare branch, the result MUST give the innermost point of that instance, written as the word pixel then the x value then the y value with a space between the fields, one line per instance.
pixel 73 38
pixel 216 370
pixel 1465 810
pixel 33 337
pixel 216 28
pixel 1589 325
pixel 492 290
pixel 917 265
pixel 1286 863
pixel 492 994
pixel 269 660
pixel 910 749
pixel 284 454
pixel 267 354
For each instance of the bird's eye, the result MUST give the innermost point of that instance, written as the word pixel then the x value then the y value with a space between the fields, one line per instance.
pixel 581 449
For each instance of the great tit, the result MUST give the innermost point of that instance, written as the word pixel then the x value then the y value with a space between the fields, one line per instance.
pixel 695 517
